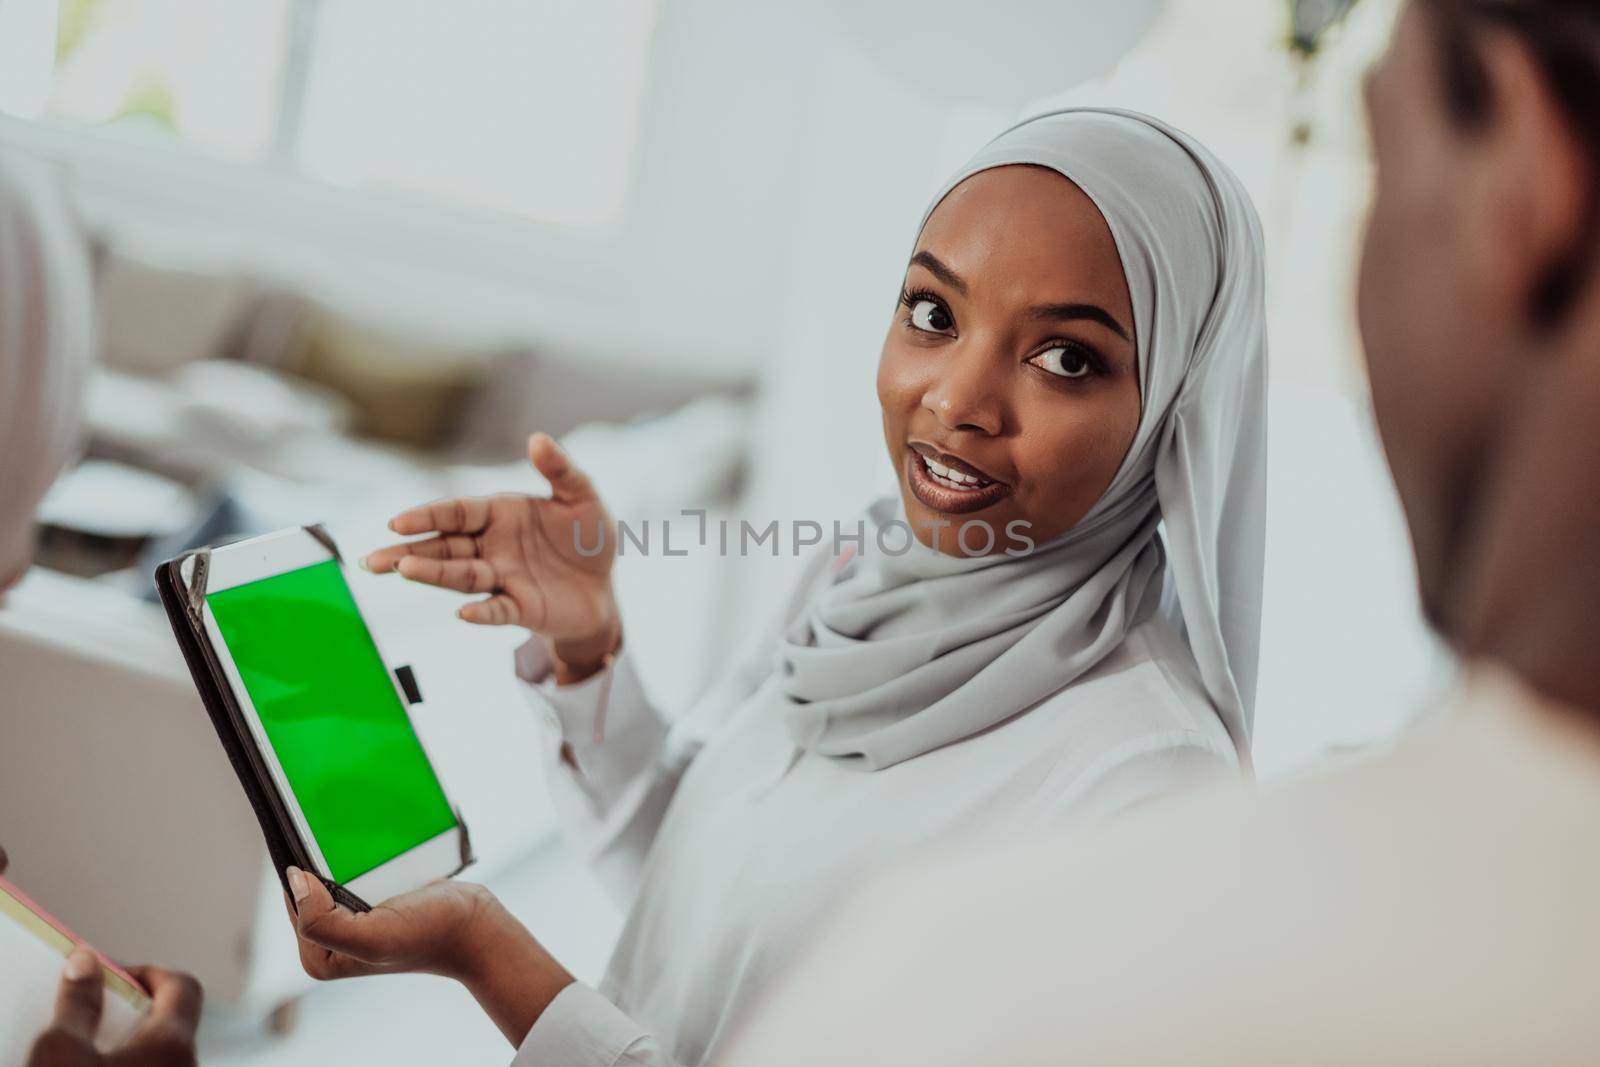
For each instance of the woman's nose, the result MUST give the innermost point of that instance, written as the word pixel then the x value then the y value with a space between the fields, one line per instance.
pixel 964 395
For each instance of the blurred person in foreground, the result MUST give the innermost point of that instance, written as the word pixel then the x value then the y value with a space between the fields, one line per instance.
pixel 46 343
pixel 1436 903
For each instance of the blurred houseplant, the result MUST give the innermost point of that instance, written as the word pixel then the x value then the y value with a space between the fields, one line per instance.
pixel 1310 20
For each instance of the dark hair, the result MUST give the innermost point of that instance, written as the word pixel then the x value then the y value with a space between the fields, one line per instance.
pixel 1563 37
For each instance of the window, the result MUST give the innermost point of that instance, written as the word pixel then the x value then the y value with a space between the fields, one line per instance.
pixel 523 106
pixel 204 73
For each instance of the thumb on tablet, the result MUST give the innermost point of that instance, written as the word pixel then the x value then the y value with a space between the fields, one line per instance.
pixel 318 917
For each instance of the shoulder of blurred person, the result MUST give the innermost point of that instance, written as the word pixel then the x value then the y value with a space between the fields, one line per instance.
pixel 47 341
pixel 1434 903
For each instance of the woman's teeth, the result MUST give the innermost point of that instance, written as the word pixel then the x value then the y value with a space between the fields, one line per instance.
pixel 953 479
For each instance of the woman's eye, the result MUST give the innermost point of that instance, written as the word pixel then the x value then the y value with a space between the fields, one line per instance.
pixel 930 316
pixel 1065 362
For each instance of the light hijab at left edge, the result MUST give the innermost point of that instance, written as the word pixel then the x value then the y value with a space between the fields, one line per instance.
pixel 47 340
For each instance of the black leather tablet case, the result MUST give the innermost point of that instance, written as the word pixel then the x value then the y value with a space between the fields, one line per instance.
pixel 183 601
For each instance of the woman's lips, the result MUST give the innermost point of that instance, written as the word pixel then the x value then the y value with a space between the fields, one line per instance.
pixel 943 463
pixel 944 488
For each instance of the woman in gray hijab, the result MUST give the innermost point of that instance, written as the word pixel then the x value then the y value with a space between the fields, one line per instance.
pixel 1055 620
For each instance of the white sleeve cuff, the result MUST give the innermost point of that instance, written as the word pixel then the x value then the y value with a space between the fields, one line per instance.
pixel 581 1028
pixel 583 712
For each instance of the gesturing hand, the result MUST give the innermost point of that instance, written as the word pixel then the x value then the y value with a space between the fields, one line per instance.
pixel 165 1037
pixel 544 563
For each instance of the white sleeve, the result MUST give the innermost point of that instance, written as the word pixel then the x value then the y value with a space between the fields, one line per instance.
pixel 625 765
pixel 581 1028
pixel 607 763
pixel 613 762
pixel 626 760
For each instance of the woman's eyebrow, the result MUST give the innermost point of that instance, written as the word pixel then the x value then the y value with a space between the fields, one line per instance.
pixel 931 263
pixel 1089 312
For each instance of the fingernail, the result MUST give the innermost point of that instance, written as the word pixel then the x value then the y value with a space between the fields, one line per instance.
pixel 364 564
pixel 297 884
pixel 81 964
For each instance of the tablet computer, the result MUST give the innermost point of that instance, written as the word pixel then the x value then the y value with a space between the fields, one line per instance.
pixel 315 721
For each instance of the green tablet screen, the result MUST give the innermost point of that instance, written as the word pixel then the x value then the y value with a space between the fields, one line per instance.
pixel 333 717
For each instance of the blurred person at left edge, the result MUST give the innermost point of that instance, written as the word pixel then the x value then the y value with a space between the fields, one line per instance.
pixel 46 342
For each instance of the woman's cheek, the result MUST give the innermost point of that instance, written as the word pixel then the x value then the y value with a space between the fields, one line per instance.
pixel 885 377
pixel 1062 466
pixel 897 388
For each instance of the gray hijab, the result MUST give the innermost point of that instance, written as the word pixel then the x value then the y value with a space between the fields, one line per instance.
pixel 901 654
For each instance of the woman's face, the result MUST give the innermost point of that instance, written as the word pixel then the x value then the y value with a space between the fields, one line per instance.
pixel 1009 380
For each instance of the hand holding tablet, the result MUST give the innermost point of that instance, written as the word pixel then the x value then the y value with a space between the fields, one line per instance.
pixel 452 929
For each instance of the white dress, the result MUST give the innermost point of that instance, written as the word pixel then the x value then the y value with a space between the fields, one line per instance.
pixel 729 845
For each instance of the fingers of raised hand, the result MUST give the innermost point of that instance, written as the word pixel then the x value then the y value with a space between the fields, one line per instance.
pixel 567 482
pixel 498 610
pixel 445 546
pixel 462 575
pixel 462 515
